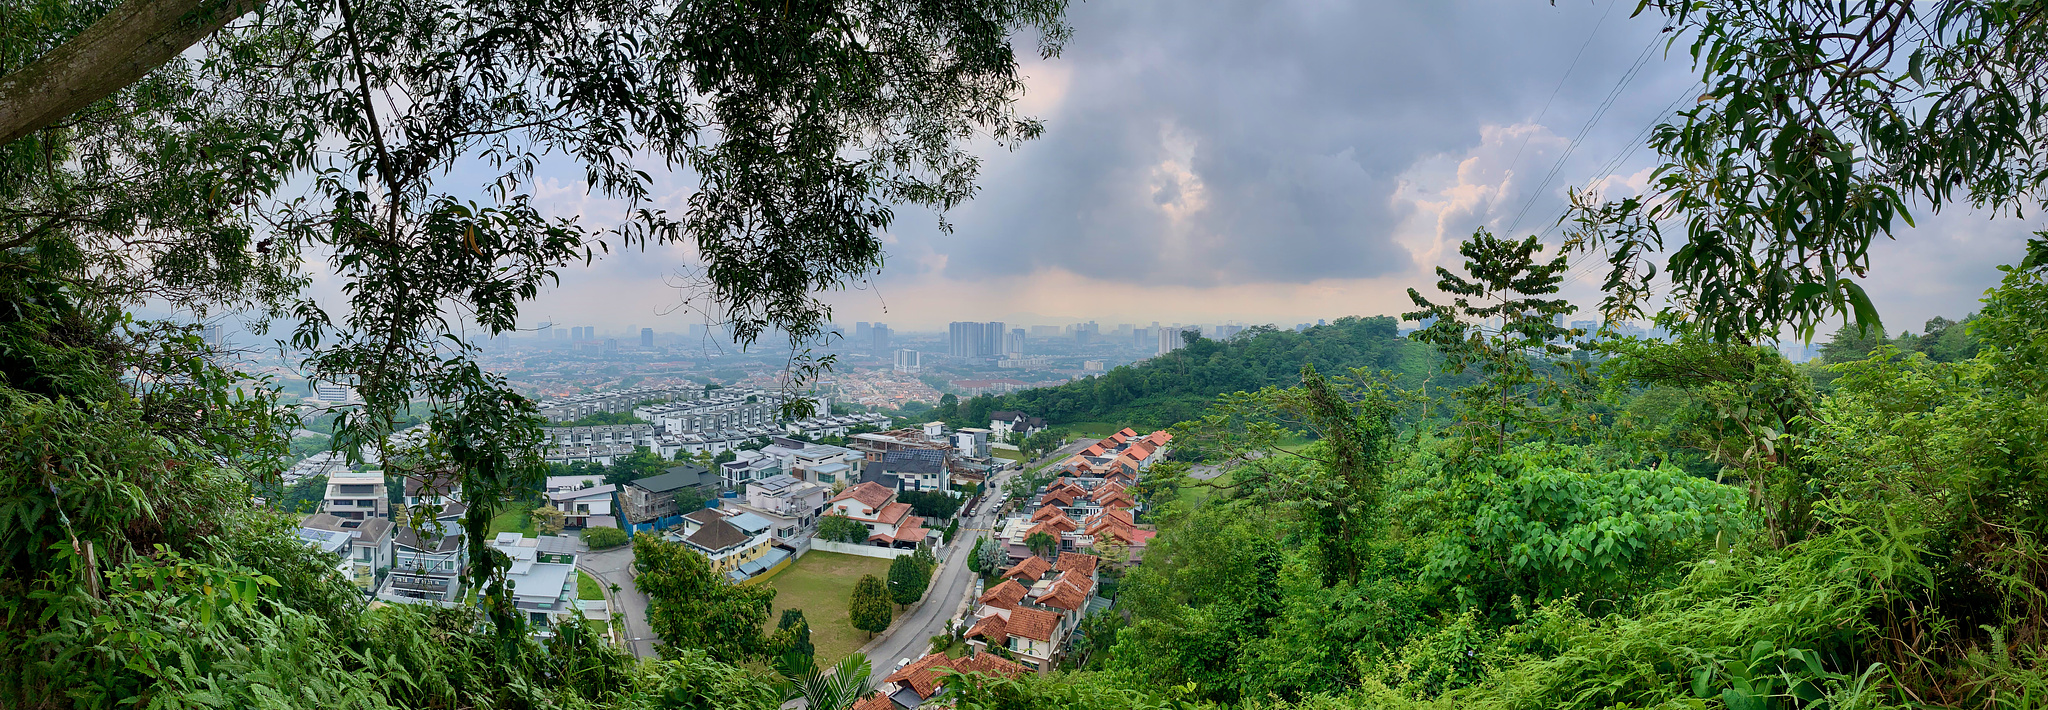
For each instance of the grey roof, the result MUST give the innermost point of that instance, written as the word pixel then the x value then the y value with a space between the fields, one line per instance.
pixel 682 476
pixel 750 523
pixel 774 483
pixel 368 532
pixel 409 537
pixel 557 545
pixel 717 535
pixel 437 484
pixel 914 461
pixel 576 493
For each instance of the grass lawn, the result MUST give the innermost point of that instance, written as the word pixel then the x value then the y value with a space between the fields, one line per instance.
pixel 1006 454
pixel 1092 430
pixel 819 585
pixel 513 517
pixel 587 587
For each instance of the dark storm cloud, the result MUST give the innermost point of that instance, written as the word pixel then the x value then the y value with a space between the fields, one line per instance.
pixel 1242 142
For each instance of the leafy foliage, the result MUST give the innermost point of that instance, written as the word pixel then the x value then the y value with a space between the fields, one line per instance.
pixel 868 606
pixel 603 538
pixel 839 528
pixel 909 577
pixel 692 608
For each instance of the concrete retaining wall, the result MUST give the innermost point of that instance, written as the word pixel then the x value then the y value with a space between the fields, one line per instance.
pixel 887 553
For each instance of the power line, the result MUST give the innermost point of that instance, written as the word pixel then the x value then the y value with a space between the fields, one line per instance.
pixel 1560 81
pixel 1600 111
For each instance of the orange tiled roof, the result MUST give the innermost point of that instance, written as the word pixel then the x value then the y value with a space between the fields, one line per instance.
pixel 991 627
pixel 926 675
pixel 1062 498
pixel 877 701
pixel 1077 562
pixel 1005 595
pixel 1118 499
pixel 989 664
pixel 1032 568
pixel 1108 514
pixel 1032 623
pixel 1160 437
pixel 869 493
pixel 1065 594
pixel 892 513
pixel 1047 513
pixel 1054 526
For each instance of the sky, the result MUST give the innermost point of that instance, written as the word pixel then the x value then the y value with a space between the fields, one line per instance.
pixel 1283 161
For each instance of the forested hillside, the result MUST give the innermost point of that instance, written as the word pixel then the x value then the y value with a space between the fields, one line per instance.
pixel 1175 387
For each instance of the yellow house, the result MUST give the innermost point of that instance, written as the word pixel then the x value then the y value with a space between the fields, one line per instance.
pixel 727 546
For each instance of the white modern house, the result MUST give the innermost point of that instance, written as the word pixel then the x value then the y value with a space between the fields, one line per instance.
pixel 356 496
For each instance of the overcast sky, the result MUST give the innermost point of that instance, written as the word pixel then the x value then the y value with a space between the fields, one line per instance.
pixel 1281 161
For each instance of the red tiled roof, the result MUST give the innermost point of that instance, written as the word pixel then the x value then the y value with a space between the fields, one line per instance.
pixel 869 493
pixel 1048 512
pixel 1070 596
pixel 877 701
pixel 1077 562
pixel 1160 437
pixel 992 628
pixel 920 674
pixel 1005 595
pixel 1032 568
pixel 891 513
pixel 1115 500
pixel 1111 514
pixel 1062 498
pixel 989 664
pixel 1054 526
pixel 1032 623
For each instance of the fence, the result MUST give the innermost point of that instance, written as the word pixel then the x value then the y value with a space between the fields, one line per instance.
pixel 887 553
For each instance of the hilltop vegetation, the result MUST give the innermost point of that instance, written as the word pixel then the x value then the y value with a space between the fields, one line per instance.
pixel 1177 386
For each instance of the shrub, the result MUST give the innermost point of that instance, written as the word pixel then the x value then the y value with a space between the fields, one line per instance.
pixel 602 538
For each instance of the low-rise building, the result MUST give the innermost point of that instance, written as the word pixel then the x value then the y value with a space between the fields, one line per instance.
pixel 580 506
pixel 889 522
pixel 728 544
pixel 426 567
pixel 356 496
pixel 793 505
pixel 369 552
pixel 650 503
pixel 1035 637
pixel 544 590
pixel 924 679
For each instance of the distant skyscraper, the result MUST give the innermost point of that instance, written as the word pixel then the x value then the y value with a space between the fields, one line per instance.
pixel 908 361
pixel 215 335
pixel 1170 340
pixel 863 335
pixel 967 339
pixel 646 337
pixel 1015 346
pixel 880 343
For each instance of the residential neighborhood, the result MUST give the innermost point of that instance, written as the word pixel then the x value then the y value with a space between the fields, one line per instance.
pixel 754 512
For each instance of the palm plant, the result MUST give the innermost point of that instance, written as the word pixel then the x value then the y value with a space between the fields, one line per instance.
pixel 837 689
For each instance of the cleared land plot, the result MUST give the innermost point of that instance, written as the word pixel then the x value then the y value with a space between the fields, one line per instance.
pixel 819 584
pixel 587 587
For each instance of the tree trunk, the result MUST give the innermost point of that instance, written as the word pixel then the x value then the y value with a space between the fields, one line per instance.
pixel 117 50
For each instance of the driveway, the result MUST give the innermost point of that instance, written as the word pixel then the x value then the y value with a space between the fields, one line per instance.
pixel 615 566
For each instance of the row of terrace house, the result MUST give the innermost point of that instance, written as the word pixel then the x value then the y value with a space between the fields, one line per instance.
pixel 1034 611
pixel 1080 514
pixel 1123 454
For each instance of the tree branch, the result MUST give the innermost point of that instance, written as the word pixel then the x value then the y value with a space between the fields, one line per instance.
pixel 116 51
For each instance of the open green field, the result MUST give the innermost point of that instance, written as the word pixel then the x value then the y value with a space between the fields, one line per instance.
pixel 587 587
pixel 1092 430
pixel 819 585
pixel 513 517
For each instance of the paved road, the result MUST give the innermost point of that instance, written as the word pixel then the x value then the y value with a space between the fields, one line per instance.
pixel 912 634
pixel 615 566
